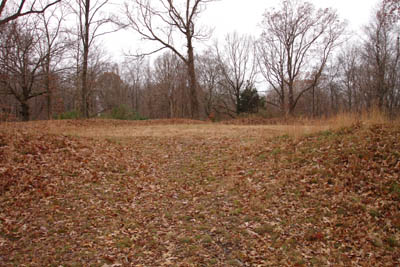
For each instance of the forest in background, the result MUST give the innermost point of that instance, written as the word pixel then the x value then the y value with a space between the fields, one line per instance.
pixel 304 63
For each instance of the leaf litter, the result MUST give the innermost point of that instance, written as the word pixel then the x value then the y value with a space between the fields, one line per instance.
pixel 329 198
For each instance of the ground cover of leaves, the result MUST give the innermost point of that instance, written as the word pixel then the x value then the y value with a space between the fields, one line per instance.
pixel 326 199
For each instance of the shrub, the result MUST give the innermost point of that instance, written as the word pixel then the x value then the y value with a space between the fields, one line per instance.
pixel 68 115
pixel 123 112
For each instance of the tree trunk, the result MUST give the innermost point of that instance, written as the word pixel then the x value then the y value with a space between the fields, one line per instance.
pixel 292 104
pixel 283 107
pixel 194 101
pixel 137 99
pixel 313 102
pixel 84 104
pixel 237 102
pixel 48 89
pixel 25 111
pixel 282 99
pixel 350 100
pixel 49 103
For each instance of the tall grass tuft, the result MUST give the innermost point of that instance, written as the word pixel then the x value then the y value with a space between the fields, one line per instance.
pixel 369 117
pixel 302 126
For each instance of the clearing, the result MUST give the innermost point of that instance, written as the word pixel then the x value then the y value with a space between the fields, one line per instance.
pixel 185 193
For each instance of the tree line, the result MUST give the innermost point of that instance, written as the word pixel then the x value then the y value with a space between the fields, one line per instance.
pixel 304 62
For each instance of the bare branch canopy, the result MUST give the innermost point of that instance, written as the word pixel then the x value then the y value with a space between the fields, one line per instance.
pixel 165 21
pixel 9 10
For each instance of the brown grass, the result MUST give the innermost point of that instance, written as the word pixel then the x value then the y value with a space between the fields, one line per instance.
pixel 341 120
pixel 164 128
pixel 371 117
pixel 252 128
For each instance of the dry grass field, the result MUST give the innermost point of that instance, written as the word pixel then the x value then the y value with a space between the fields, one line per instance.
pixel 188 193
pixel 162 128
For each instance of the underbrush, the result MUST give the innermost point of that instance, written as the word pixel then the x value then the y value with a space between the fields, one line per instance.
pixel 123 112
pixel 69 115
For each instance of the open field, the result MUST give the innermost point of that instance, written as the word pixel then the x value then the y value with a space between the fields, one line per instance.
pixel 162 128
pixel 186 193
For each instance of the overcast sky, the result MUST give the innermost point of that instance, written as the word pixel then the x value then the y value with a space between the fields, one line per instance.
pixel 244 16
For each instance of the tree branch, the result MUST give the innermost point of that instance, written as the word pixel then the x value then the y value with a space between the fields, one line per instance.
pixel 20 12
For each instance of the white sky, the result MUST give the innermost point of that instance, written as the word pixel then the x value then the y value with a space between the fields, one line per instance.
pixel 244 16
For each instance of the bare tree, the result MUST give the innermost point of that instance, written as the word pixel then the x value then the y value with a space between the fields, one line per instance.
pixel 295 45
pixel 158 21
pixel 90 22
pixel 111 91
pixel 170 78
pixel 21 63
pixel 133 76
pixel 390 10
pixel 381 55
pixel 210 80
pixel 53 49
pixel 98 63
pixel 238 65
pixel 10 10
pixel 348 63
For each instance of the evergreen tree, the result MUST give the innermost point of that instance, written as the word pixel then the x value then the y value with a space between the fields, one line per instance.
pixel 249 99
